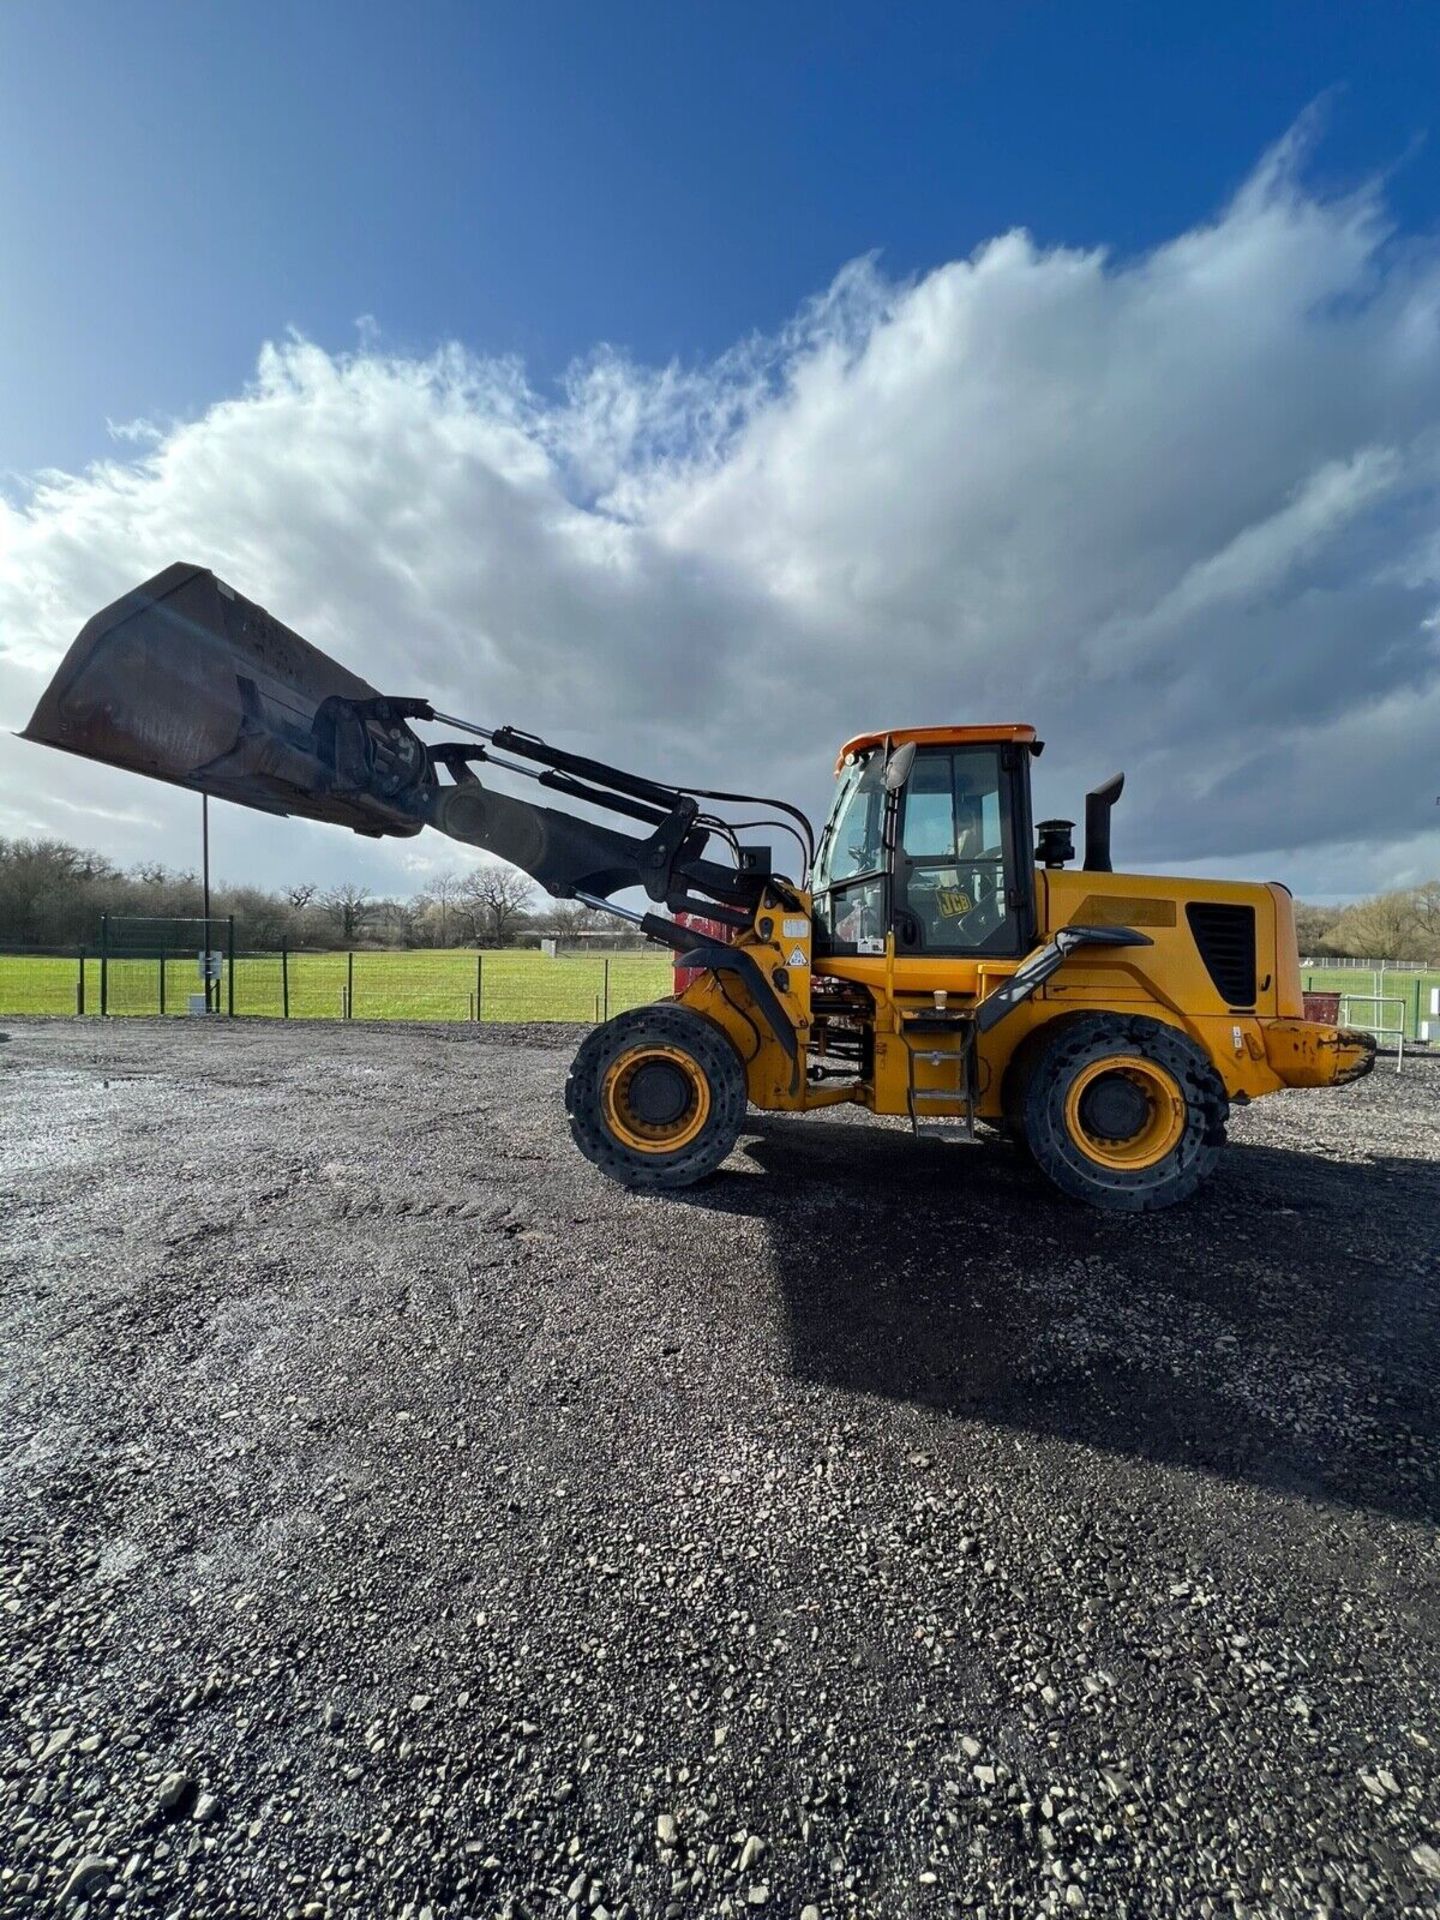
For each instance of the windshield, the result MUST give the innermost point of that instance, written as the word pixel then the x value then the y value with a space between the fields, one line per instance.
pixel 853 841
pixel 850 885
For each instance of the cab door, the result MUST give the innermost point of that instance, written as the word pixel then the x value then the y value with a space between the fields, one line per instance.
pixel 961 852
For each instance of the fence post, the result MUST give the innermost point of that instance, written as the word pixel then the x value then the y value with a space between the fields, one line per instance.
pixel 1419 983
pixel 162 976
pixel 607 986
pixel 479 986
pixel 284 980
pixel 230 967
pixel 104 964
pixel 80 986
pixel 350 986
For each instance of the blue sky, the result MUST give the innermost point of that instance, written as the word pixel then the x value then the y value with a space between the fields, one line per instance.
pixel 734 380
pixel 185 181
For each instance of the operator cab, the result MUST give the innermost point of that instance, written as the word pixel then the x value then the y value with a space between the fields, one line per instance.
pixel 929 838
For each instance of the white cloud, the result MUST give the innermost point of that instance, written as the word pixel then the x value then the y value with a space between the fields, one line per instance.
pixel 1180 510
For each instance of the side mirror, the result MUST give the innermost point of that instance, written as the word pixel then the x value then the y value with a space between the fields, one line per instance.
pixel 898 766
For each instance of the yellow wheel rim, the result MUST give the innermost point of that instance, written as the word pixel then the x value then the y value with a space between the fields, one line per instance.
pixel 655 1099
pixel 1126 1112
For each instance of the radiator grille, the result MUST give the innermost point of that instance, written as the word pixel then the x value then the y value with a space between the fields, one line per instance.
pixel 1225 936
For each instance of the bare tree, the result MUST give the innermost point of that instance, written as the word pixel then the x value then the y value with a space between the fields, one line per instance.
pixel 300 896
pixel 1426 902
pixel 399 920
pixel 497 899
pixel 52 891
pixel 349 907
pixel 444 892
pixel 1314 926
pixel 1383 928
pixel 563 918
pixel 614 923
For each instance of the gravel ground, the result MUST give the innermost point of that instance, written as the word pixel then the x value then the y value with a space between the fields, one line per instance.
pixel 397 1519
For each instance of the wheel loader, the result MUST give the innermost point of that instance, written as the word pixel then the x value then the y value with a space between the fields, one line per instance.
pixel 933 956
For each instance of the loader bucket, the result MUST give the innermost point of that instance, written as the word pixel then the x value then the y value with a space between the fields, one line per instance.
pixel 187 681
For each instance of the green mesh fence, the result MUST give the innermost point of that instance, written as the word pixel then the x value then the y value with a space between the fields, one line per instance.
pixel 39 983
pixel 1410 986
pixel 452 985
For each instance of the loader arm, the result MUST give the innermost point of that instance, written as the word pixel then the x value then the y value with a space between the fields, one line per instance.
pixel 185 680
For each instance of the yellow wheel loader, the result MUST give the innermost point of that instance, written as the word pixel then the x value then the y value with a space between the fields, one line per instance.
pixel 932 957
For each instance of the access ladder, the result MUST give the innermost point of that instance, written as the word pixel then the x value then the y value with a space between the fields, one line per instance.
pixel 944 1042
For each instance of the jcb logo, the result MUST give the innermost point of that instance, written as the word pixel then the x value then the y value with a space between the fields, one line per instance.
pixel 953 903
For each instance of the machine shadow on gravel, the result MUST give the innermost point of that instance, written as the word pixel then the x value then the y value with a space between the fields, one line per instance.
pixel 1278 1330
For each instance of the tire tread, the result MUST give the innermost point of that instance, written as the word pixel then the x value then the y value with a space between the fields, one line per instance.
pixel 665 1025
pixel 1035 1095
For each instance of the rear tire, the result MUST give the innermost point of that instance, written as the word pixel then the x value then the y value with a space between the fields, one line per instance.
pixel 656 1097
pixel 1125 1114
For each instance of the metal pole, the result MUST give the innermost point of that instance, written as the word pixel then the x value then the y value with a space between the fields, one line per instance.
pixel 607 986
pixel 350 986
pixel 284 980
pixel 205 886
pixel 104 964
pixel 80 986
pixel 479 987
pixel 162 975
pixel 230 967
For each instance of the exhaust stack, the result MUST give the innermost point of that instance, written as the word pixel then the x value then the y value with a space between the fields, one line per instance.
pixel 1098 803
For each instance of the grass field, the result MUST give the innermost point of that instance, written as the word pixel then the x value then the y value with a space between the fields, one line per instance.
pixel 426 984
pixel 1410 987
pixel 422 984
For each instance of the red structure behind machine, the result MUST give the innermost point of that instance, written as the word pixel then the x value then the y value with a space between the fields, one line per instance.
pixel 712 930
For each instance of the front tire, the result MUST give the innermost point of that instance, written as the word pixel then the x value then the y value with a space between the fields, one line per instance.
pixel 656 1097
pixel 1125 1114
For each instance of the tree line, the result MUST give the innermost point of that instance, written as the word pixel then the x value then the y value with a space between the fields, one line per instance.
pixel 52 894
pixel 1401 925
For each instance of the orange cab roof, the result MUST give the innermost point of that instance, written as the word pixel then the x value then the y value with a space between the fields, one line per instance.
pixel 935 737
